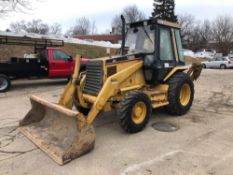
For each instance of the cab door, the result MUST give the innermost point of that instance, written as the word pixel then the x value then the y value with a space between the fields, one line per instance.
pixel 60 64
pixel 167 55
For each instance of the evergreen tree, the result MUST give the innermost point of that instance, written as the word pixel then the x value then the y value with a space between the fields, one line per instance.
pixel 164 9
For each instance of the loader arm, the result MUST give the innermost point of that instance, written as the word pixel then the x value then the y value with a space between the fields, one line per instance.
pixel 110 88
pixel 66 98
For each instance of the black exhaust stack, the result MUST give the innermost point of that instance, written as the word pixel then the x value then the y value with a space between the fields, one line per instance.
pixel 123 35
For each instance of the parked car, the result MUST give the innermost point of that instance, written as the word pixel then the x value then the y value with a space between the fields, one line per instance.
pixel 50 63
pixel 219 63
pixel 205 53
pixel 189 53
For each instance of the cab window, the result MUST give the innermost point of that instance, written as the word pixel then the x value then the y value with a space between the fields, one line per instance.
pixel 59 55
pixel 179 46
pixel 219 59
pixel 166 50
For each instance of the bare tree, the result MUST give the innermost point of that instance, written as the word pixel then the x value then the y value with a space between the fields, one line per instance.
pixel 82 27
pixel 34 26
pixel 195 39
pixel 206 31
pixel 37 26
pixel 18 26
pixel 195 34
pixel 131 14
pixel 8 6
pixel 93 28
pixel 187 23
pixel 56 29
pixel 69 32
pixel 223 33
pixel 198 34
pixel 117 24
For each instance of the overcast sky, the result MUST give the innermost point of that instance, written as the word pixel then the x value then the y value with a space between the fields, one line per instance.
pixel 102 11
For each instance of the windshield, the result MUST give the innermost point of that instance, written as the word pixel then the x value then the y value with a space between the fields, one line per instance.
pixel 140 39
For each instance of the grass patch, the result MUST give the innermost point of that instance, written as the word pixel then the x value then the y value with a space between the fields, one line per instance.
pixel 191 60
pixel 87 51
pixel 7 51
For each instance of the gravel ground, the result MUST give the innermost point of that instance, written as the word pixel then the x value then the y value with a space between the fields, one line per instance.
pixel 202 145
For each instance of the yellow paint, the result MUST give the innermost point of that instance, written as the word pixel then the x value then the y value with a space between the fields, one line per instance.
pixel 129 76
pixel 66 98
pixel 107 107
pixel 158 95
pixel 158 105
pixel 174 70
pixel 185 94
pixel 139 112
pixel 89 98
pixel 111 87
pixel 131 88
pixel 80 93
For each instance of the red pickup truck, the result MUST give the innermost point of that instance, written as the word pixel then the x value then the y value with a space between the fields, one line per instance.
pixel 50 63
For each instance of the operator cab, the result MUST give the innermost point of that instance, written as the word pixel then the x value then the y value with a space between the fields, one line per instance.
pixel 160 44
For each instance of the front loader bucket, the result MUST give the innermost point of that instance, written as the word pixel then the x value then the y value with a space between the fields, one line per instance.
pixel 61 133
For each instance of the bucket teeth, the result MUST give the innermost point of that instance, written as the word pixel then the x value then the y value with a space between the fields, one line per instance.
pixel 56 130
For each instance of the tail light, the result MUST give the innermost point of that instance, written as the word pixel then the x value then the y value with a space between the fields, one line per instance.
pixel 229 61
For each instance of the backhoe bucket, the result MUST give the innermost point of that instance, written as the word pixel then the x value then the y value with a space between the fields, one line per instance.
pixel 61 133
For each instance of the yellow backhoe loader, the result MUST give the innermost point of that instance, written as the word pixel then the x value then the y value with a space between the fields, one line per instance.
pixel 149 73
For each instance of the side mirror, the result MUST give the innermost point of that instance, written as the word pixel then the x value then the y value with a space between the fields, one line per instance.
pixel 70 59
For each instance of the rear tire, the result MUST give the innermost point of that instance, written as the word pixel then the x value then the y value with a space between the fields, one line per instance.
pixel 204 66
pixel 5 83
pixel 180 94
pixel 135 111
pixel 222 66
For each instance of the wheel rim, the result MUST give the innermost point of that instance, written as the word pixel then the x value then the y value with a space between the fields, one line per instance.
pixel 139 112
pixel 185 94
pixel 3 83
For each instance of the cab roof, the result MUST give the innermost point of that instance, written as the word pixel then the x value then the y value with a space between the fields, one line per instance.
pixel 154 21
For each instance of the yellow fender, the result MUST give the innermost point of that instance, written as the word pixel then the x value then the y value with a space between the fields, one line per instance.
pixel 194 71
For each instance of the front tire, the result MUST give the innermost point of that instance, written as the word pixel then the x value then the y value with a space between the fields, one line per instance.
pixel 5 83
pixel 180 94
pixel 135 111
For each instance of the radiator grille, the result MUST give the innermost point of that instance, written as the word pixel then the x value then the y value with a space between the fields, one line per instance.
pixel 94 78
